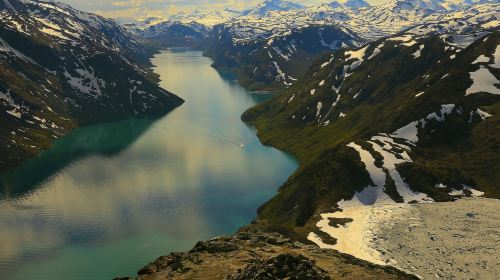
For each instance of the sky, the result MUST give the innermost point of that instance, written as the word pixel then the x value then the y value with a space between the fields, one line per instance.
pixel 144 8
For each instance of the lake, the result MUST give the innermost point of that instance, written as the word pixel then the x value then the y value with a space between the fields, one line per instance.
pixel 108 199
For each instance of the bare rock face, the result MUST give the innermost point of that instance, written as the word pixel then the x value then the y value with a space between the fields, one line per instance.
pixel 253 254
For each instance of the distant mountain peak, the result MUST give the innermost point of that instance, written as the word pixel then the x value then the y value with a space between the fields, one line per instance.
pixel 350 4
pixel 356 4
pixel 335 5
pixel 273 5
pixel 414 5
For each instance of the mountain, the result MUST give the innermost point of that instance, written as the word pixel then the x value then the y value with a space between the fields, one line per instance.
pixel 261 51
pixel 414 5
pixel 208 19
pixel 127 21
pixel 171 34
pixel 273 51
pixel 179 30
pixel 63 68
pixel 273 58
pixel 267 6
pixel 405 119
pixel 451 5
pixel 351 4
pixel 356 4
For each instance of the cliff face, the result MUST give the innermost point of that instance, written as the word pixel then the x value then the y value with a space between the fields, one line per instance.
pixel 254 254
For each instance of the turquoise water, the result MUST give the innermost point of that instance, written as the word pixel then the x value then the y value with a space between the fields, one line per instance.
pixel 108 199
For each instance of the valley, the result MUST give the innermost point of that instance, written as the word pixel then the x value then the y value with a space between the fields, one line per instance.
pixel 387 115
pixel 126 192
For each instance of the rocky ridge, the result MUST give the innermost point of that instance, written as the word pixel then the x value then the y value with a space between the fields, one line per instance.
pixel 255 254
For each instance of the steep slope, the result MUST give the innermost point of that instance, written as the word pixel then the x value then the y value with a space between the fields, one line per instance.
pixel 62 68
pixel 412 118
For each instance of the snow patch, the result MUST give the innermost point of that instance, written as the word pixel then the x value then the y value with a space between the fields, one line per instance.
pixel 483 81
pixel 441 115
pixel 16 109
pixel 376 174
pixel 483 114
pixel 481 59
pixel 318 109
pixel 496 63
pixel 376 51
pixel 418 53
pixel 409 132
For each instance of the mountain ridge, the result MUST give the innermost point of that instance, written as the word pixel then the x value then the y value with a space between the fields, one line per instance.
pixel 63 68
pixel 267 6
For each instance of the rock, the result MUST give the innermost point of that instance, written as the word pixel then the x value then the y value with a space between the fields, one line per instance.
pixel 277 240
pixel 172 262
pixel 272 256
pixel 471 215
pixel 214 246
pixel 283 266
pixel 147 270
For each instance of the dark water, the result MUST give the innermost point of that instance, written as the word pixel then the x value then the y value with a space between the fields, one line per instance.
pixel 110 198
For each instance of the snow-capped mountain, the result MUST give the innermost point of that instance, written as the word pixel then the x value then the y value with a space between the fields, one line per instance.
pixel 62 68
pixel 179 30
pixel 164 33
pixel 351 4
pixel 272 58
pixel 173 34
pixel 355 23
pixel 450 5
pixel 243 35
pixel 272 6
pixel 206 18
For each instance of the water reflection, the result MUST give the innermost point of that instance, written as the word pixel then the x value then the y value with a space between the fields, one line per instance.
pixel 185 179
pixel 105 140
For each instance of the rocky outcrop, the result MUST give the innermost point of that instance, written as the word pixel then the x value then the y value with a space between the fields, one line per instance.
pixel 254 254
pixel 284 266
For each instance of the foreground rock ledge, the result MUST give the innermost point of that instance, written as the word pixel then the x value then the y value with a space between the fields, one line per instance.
pixel 253 254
